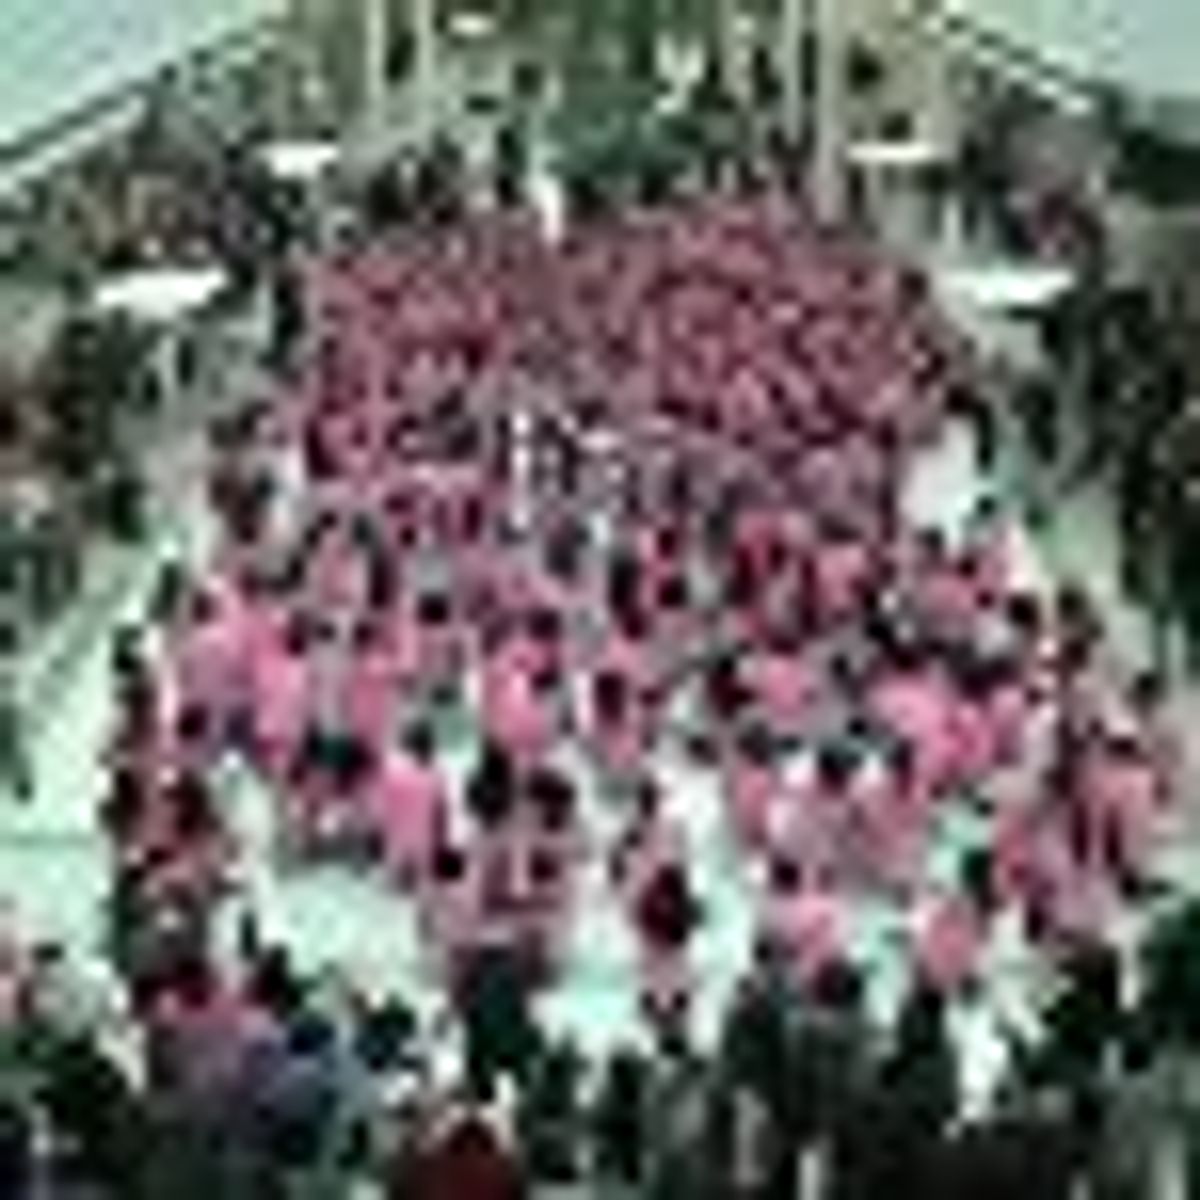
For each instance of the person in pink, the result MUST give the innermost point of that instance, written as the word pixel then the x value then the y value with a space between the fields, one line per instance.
pixel 784 686
pixel 842 570
pixel 615 718
pixel 752 785
pixel 409 803
pixel 283 701
pixel 945 594
pixel 806 921
pixel 518 708
pixel 447 907
pixel 949 937
pixel 910 700
pixel 371 686
pixel 438 644
pixel 1124 795
pixel 204 664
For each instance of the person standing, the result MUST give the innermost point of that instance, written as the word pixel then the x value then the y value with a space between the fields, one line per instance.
pixel 16 767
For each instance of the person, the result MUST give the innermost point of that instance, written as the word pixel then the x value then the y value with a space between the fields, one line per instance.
pixel 16 1150
pixel 493 1000
pixel 98 1119
pixel 753 1107
pixel 410 803
pixel 549 1118
pixel 620 1119
pixel 463 1156
pixel 16 769
pixel 892 1132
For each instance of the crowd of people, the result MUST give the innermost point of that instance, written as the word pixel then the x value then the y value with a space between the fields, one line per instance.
pixel 533 524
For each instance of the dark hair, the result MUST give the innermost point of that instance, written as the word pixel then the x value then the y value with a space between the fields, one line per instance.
pixel 491 788
pixel 298 634
pixel 545 623
pixel 610 694
pixel 544 866
pixel 553 796
pixel 125 803
pixel 673 592
pixel 978 875
pixel 193 723
pixel 564 551
pixel 192 980
pixel 1147 689
pixel 756 744
pixel 434 608
pixel 726 692
pixel 194 810
pixel 272 981
pixel 785 874
pixel 624 580
pixel 836 763
pixel 420 741
pixel 838 987
pixel 449 864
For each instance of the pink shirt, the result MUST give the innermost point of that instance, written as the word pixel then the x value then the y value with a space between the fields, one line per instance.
pixel 284 702
pixel 785 688
pixel 409 801
pixel 371 695
pixel 207 663
pixel 916 707
pixel 949 942
pixel 751 789
pixel 514 714
pixel 812 928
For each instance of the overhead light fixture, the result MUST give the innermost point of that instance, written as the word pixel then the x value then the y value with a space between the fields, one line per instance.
pixel 471 25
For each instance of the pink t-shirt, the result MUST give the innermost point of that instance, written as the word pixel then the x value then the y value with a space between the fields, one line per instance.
pixel 916 707
pixel 514 713
pixel 949 942
pixel 284 703
pixel 751 789
pixel 371 694
pixel 409 801
pixel 785 688
pixel 812 928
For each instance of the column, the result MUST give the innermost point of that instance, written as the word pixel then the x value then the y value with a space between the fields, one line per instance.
pixel 829 158
pixel 730 51
pixel 376 34
pixel 930 55
pixel 425 81
pixel 791 45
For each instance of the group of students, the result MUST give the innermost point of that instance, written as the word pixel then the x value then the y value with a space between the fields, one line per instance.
pixel 541 534
pixel 537 520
